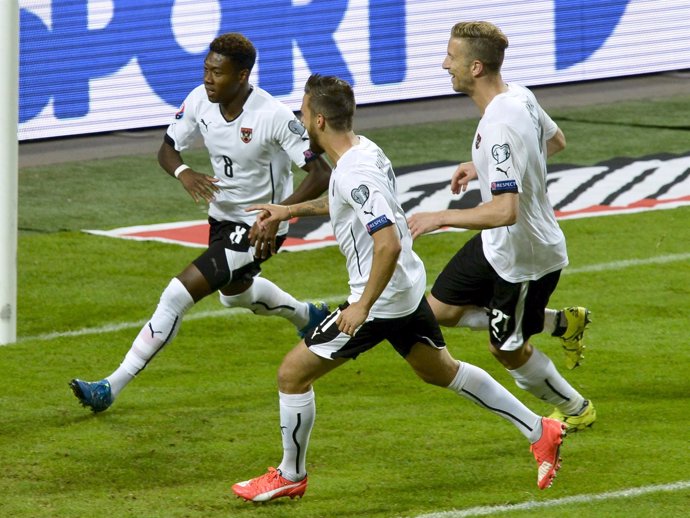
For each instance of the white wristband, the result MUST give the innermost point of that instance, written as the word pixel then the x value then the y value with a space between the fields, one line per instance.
pixel 179 170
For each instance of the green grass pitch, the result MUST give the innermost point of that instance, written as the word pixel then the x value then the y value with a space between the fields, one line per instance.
pixel 204 414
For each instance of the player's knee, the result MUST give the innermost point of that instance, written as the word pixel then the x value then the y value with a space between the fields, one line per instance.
pixel 436 370
pixel 499 355
pixel 290 381
pixel 239 300
pixel 510 359
pixel 446 315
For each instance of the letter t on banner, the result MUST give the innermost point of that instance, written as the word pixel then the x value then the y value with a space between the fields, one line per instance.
pixel 9 184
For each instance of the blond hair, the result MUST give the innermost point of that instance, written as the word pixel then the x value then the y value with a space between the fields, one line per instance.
pixel 487 43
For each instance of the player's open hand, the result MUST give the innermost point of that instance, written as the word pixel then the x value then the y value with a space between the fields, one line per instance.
pixel 462 176
pixel 423 222
pixel 269 213
pixel 199 186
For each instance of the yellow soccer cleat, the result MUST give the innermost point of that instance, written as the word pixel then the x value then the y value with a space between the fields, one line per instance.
pixel 577 318
pixel 574 423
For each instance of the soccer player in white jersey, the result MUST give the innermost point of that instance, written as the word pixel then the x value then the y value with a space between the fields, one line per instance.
pixel 511 267
pixel 252 140
pixel 386 302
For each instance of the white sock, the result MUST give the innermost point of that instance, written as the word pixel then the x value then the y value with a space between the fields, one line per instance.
pixel 478 386
pixel 265 298
pixel 476 318
pixel 297 413
pixel 540 378
pixel 550 320
pixel 160 330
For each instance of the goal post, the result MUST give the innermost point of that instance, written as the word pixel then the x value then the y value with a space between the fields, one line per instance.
pixel 9 175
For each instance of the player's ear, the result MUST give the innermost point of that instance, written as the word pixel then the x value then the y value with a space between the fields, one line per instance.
pixel 477 68
pixel 244 74
pixel 320 120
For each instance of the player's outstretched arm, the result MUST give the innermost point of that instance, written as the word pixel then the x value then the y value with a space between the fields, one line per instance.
pixel 423 222
pixel 269 213
pixel 501 211
pixel 272 213
pixel 198 185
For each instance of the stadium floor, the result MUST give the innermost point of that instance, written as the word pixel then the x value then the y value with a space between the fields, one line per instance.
pixel 67 149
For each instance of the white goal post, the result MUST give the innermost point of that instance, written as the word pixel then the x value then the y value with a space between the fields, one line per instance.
pixel 9 176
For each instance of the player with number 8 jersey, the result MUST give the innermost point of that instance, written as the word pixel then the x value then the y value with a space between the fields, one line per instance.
pixel 251 154
pixel 252 141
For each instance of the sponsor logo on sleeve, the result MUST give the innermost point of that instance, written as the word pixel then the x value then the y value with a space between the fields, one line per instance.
pixel 504 171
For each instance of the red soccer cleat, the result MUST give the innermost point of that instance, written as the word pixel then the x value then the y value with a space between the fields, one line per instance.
pixel 546 451
pixel 269 486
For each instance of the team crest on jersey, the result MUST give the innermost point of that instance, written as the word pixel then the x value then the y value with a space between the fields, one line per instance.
pixel 360 194
pixel 296 127
pixel 500 153
pixel 246 135
pixel 180 113
pixel 477 141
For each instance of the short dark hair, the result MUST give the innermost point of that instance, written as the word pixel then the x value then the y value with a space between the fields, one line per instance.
pixel 333 98
pixel 237 48
pixel 487 42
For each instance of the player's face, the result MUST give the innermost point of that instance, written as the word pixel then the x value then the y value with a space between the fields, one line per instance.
pixel 309 121
pixel 459 66
pixel 221 80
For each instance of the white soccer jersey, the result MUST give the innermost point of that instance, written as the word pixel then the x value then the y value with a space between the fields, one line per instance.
pixel 251 155
pixel 509 153
pixel 362 199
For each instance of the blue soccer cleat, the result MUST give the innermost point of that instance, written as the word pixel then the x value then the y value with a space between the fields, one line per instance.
pixel 317 312
pixel 95 394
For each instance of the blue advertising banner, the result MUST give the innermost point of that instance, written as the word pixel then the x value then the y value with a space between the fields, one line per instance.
pixel 103 65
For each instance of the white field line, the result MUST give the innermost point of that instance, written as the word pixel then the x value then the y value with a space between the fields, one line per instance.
pixel 490 510
pixel 198 315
